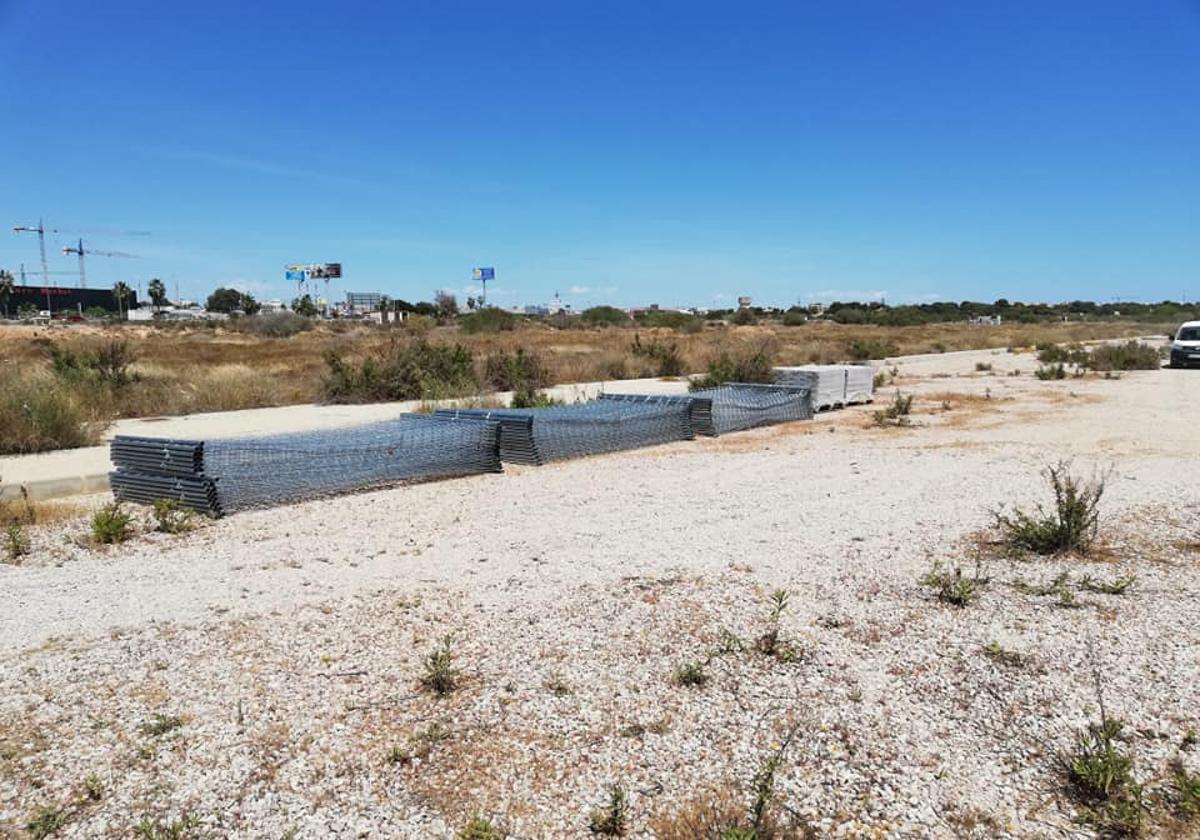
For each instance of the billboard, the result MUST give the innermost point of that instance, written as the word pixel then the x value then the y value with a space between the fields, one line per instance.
pixel 60 298
pixel 315 271
pixel 488 273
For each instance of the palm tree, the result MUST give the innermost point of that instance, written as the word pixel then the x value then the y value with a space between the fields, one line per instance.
pixel 158 293
pixel 120 292
pixel 6 289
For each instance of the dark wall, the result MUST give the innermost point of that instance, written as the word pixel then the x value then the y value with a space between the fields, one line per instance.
pixel 63 297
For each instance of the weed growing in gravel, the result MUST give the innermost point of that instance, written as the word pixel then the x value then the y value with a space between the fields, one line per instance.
pixel 557 685
pixel 170 517
pixel 16 543
pixel 1187 790
pixel 440 677
pixel 93 786
pixel 1049 372
pixel 1101 776
pixel 1070 526
pixel 1053 586
pixel 768 642
pixel 157 829
pixel 419 745
pixel 689 674
pixel 1116 587
pixel 161 724
pixel 479 829
pixel 896 414
pixel 110 525
pixel 998 653
pixel 45 820
pixel 955 588
pixel 611 818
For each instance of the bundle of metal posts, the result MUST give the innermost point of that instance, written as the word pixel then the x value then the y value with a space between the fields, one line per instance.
pixel 832 386
pixel 247 472
pixel 149 469
pixel 538 435
pixel 745 405
pixel 700 409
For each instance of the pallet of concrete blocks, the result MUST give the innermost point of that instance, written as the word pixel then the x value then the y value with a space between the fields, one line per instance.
pixel 735 406
pixel 832 386
pixel 536 436
pixel 219 476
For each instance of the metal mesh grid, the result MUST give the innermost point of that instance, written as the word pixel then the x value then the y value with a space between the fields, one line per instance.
pixel 538 435
pixel 699 408
pixel 741 405
pixel 246 472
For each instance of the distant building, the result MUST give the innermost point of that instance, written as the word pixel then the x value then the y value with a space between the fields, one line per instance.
pixel 358 303
pixel 986 320
pixel 744 302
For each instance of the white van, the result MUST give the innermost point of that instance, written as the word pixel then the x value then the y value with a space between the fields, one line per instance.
pixel 1185 349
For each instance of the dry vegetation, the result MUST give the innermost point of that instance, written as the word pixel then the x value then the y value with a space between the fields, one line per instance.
pixel 160 371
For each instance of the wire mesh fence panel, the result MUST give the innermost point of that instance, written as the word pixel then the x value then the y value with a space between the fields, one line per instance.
pixel 699 408
pixel 235 473
pixel 739 405
pixel 539 435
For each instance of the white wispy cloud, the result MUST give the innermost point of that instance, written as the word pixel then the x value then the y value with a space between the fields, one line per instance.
pixel 252 165
pixel 826 295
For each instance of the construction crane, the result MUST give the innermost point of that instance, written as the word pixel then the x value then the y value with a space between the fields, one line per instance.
pixel 40 230
pixel 80 250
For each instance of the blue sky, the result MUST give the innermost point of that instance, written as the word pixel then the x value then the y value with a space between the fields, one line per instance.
pixel 615 152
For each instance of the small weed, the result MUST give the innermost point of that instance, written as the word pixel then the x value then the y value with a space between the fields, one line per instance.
pixel 1101 776
pixel 612 818
pixel 955 588
pixel 768 642
pixel 16 542
pixel 110 525
pixel 171 517
pixel 1187 790
pixel 689 674
pixel 983 367
pixel 156 829
pixel 1050 372
pixel 1059 582
pixel 419 745
pixel 1071 525
pixel 440 677
pixel 45 821
pixel 1116 587
pixel 896 414
pixel 557 684
pixel 93 786
pixel 479 829
pixel 161 724
pixel 999 654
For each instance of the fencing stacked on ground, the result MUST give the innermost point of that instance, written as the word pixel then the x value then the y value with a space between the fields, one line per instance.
pixel 735 406
pixel 538 435
pixel 229 474
pixel 832 386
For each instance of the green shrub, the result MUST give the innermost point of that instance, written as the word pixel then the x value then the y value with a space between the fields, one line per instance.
pixel 794 318
pixel 402 370
pixel 744 317
pixel 522 373
pixel 670 320
pixel 110 525
pixel 1101 776
pixel 479 829
pixel 171 517
pixel 440 677
pixel 106 363
pixel 896 414
pixel 1057 354
pixel 955 588
pixel 605 316
pixel 1049 372
pixel 689 674
pixel 1071 525
pixel 753 366
pixel 490 320
pixel 864 349
pixel 45 821
pixel 665 356
pixel 16 542
pixel 1130 356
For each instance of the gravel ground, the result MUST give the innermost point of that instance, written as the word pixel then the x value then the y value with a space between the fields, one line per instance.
pixel 262 674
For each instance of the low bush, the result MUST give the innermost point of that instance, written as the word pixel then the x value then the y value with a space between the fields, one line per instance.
pixel 1132 355
pixel 668 361
pixel 1072 523
pixel 605 316
pixel 1050 372
pixel 171 517
pixel 111 525
pixel 612 818
pixel 402 370
pixel 689 674
pixel 39 412
pixel 441 676
pixel 864 349
pixel 955 588
pixel 489 320
pixel 271 324
pixel 752 366
pixel 744 318
pixel 1058 354
pixel 896 414
pixel 794 318
pixel 479 829
pixel 16 542
pixel 681 321
pixel 1101 777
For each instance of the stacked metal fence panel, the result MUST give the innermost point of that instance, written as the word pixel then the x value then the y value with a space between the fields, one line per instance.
pixel 538 435
pixel 700 409
pixel 740 405
pixel 832 386
pixel 246 472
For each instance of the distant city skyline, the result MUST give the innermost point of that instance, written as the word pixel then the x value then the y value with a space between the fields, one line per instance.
pixel 623 154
